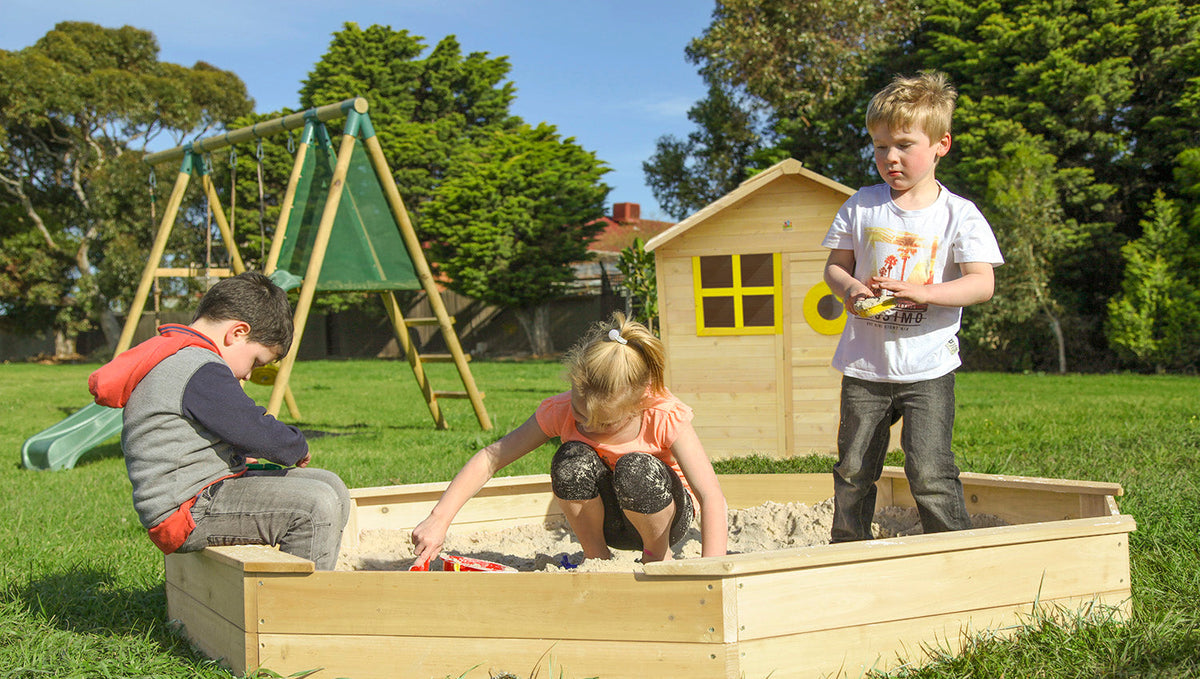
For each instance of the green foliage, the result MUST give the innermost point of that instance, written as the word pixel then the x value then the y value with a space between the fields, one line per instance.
pixel 686 175
pixel 1152 322
pixel 513 213
pixel 425 109
pixel 796 56
pixel 1107 91
pixel 75 110
pixel 641 282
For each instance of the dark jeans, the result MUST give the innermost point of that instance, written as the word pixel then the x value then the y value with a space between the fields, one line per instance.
pixel 868 410
pixel 302 510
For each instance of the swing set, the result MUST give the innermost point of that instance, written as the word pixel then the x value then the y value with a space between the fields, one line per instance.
pixel 342 227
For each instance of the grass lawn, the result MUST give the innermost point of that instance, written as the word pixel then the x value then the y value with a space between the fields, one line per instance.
pixel 81 587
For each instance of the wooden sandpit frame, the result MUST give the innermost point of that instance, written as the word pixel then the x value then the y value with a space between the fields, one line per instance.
pixel 826 611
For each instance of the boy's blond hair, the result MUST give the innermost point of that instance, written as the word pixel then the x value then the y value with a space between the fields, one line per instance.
pixel 612 374
pixel 925 101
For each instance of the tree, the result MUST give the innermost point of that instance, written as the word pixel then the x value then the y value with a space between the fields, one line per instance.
pixel 76 109
pixel 806 69
pixel 684 176
pixel 511 217
pixel 795 55
pixel 1029 226
pixel 1152 322
pixel 1100 83
pixel 424 109
pixel 640 281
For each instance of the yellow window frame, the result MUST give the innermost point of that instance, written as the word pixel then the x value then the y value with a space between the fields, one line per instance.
pixel 738 292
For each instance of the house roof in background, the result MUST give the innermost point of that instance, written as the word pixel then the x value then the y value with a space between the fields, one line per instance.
pixel 623 225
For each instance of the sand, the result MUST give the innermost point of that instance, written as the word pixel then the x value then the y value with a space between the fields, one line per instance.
pixel 551 547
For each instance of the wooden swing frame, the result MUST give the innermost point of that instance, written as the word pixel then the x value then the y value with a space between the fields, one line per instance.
pixel 357 122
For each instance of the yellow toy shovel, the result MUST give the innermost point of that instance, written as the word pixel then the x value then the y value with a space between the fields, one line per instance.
pixel 873 306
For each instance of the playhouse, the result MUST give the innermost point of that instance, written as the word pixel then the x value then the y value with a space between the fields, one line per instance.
pixel 748 322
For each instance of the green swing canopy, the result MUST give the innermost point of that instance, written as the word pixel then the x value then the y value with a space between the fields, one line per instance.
pixel 366 251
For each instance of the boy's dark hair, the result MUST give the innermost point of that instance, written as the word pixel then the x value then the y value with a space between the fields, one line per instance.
pixel 254 299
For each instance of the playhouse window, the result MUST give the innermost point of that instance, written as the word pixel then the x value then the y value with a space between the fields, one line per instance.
pixel 738 294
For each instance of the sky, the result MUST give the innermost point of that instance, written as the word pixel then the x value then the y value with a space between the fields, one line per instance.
pixel 609 73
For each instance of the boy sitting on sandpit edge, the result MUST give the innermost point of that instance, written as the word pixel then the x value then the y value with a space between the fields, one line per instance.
pixel 189 428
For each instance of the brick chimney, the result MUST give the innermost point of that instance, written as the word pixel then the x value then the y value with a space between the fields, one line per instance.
pixel 627 212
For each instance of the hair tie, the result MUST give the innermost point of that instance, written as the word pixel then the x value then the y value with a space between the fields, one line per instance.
pixel 614 335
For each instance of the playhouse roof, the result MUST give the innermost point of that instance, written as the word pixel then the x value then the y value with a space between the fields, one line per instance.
pixel 791 166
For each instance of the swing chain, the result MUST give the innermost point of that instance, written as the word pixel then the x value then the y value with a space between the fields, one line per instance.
pixel 291 145
pixel 232 156
pixel 258 152
pixel 152 180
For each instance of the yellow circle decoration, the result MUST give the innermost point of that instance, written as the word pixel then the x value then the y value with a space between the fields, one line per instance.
pixel 821 299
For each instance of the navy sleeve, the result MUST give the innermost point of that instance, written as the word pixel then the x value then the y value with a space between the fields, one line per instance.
pixel 215 399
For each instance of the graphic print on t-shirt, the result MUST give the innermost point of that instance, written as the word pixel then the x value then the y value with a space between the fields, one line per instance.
pixel 907 257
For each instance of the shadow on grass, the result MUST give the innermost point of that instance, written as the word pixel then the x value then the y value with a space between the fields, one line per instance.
pixel 89 601
pixel 101 452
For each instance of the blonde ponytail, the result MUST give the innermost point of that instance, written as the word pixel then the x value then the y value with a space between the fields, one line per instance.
pixel 614 368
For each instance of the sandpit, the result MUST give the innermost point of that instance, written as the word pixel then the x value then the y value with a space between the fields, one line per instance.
pixel 551 547
pixel 779 613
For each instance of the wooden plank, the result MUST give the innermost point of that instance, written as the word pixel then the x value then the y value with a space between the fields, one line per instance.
pixel 738 358
pixel 751 490
pixel 740 410
pixel 480 513
pixel 784 370
pixel 812 257
pixel 811 407
pixel 922 585
pixel 696 383
pixel 894 548
pixel 192 272
pixel 214 635
pixel 426 320
pixel 387 657
pixel 516 605
pixel 852 652
pixel 753 241
pixel 442 358
pixel 259 559
pixel 691 345
pixel 526 499
pixel 1032 482
pixel 221 585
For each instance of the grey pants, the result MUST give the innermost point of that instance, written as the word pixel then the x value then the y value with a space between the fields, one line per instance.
pixel 868 410
pixel 301 510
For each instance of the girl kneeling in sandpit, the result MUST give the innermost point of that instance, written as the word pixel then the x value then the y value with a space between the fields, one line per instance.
pixel 630 472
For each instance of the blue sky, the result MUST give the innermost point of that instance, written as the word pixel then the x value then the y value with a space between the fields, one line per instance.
pixel 610 73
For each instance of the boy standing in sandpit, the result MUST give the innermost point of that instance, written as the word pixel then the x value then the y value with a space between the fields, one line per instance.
pixel 189 429
pixel 905 256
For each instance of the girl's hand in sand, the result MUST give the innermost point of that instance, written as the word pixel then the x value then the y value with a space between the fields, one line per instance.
pixel 427 539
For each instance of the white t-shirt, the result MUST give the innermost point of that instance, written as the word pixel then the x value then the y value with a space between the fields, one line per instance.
pixel 910 342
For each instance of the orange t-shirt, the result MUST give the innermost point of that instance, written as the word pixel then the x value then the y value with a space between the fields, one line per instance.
pixel 661 420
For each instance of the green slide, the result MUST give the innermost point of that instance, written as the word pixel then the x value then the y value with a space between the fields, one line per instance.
pixel 61 445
